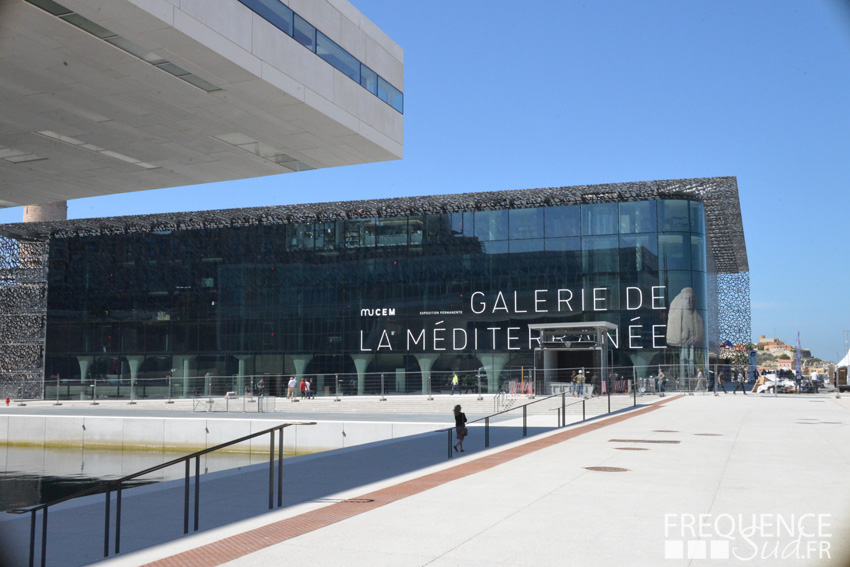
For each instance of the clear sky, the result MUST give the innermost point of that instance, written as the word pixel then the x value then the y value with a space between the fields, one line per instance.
pixel 515 95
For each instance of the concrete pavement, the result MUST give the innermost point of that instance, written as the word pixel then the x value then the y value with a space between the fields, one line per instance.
pixel 705 481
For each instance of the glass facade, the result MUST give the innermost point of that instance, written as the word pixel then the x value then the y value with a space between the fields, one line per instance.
pixel 398 295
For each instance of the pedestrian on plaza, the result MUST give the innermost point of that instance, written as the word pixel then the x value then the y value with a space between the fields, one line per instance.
pixel 455 384
pixel 573 383
pixel 580 384
pixel 721 381
pixel 661 379
pixel 312 388
pixel 740 384
pixel 460 428
pixel 307 392
pixel 303 388
pixel 700 387
pixel 290 392
pixel 798 379
pixel 261 386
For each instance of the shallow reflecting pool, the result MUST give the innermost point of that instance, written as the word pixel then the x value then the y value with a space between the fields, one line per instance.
pixel 35 475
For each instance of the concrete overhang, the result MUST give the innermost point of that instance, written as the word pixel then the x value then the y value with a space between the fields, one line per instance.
pixel 88 113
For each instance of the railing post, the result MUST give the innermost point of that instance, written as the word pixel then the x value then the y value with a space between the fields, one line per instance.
pixel 449 431
pixel 106 526
pixel 582 410
pixel 186 500
pixel 197 489
pixel 280 467
pixel 524 420
pixel 486 432
pixel 43 537
pixel 271 469
pixel 608 382
pixel 634 385
pixel 32 537
pixel 563 409
pixel 383 399
pixel 118 520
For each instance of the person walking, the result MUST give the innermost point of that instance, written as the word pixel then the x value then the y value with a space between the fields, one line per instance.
pixel 455 384
pixel 261 386
pixel 312 388
pixel 740 384
pixel 290 392
pixel 460 428
pixel 700 387
pixel 661 379
pixel 303 388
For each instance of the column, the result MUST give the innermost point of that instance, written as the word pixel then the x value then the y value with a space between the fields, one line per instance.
pixel 426 361
pixel 493 366
pixel 361 363
pixel 134 362
pixel 85 364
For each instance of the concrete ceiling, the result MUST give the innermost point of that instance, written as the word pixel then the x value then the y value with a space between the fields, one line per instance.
pixel 80 117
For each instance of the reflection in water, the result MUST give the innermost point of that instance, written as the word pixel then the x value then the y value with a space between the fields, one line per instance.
pixel 35 475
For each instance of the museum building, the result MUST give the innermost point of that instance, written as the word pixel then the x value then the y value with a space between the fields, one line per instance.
pixel 400 288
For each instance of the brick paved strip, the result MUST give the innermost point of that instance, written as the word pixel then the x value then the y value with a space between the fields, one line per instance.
pixel 239 545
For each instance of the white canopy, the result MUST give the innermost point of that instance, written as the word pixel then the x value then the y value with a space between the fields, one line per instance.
pixel 844 361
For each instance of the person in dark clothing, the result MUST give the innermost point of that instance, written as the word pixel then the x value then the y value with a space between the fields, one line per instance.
pixel 740 384
pixel 460 428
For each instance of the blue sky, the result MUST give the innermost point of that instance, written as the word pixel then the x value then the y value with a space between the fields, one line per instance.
pixel 508 95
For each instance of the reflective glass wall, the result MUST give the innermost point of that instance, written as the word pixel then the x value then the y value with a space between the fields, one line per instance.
pixel 399 296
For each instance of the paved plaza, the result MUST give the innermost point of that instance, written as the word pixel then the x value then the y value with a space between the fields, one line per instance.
pixel 699 480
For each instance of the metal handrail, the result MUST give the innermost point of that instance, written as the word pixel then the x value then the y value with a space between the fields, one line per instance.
pixel 107 488
pixel 562 414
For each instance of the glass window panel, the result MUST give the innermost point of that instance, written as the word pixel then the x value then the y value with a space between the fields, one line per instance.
pixel 305 34
pixel 529 245
pixel 673 216
pixel 359 233
pixel 491 225
pixel 637 216
pixel 277 14
pixel 415 228
pixel 526 223
pixel 674 251
pixel 499 247
pixel 325 235
pixel 368 79
pixel 562 221
pixel 698 282
pixel 563 244
pixel 342 60
pixel 639 253
pixel 602 292
pixel 697 217
pixel 675 281
pixel 462 224
pixel 390 95
pixel 600 254
pixel 697 253
pixel 300 236
pixel 599 218
pixel 392 232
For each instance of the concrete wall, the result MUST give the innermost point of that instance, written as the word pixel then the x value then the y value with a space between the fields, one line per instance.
pixel 192 434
